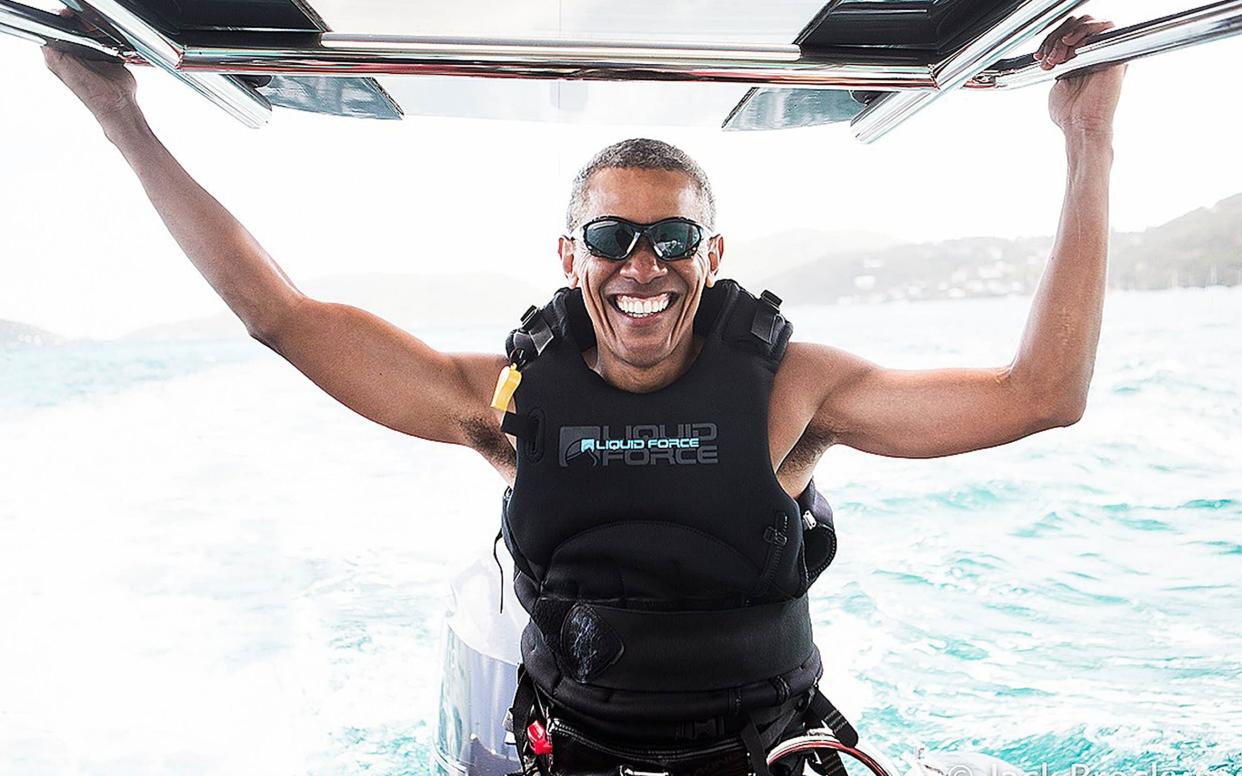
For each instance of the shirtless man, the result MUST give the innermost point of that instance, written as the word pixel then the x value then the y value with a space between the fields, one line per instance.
pixel 640 276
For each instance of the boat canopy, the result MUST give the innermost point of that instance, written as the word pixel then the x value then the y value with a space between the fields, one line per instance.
pixel 736 64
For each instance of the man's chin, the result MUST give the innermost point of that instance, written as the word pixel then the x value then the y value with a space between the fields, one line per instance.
pixel 642 356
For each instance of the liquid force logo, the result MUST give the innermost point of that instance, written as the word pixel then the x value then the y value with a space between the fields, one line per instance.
pixel 641 445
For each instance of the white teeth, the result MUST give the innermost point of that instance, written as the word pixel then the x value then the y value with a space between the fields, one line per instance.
pixel 641 307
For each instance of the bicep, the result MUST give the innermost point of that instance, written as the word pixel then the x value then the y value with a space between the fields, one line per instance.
pixel 384 373
pixel 913 413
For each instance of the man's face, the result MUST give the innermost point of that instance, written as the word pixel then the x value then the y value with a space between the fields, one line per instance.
pixel 643 281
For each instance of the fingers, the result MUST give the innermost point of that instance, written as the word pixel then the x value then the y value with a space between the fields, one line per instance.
pixel 1062 43
pixel 1084 31
pixel 1064 27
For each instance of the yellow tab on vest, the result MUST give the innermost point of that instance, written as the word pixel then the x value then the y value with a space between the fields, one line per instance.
pixel 506 385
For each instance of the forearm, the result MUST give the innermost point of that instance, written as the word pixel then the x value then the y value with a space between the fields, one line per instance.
pixel 1057 355
pixel 222 250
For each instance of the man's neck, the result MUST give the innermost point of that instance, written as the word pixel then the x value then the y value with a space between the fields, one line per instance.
pixel 636 379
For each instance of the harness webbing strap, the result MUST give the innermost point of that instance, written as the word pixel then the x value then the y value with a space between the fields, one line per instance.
pixel 756 749
pixel 822 709
pixel 757 744
pixel 520 712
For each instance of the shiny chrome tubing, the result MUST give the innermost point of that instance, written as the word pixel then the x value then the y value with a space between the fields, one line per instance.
pixel 562 48
pixel 235 97
pixel 352 55
pixel 42 27
pixel 1181 30
pixel 1030 18
pixel 17 32
pixel 822 740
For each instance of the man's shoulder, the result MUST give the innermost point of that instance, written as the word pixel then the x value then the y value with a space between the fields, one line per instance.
pixel 799 378
pixel 801 355
pixel 813 369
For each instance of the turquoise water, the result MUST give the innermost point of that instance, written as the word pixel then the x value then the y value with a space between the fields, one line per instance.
pixel 207 566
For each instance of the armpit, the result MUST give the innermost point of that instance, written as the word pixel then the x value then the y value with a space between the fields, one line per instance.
pixel 484 436
pixel 807 450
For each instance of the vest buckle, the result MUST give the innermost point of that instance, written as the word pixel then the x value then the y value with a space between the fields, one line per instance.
pixel 772 536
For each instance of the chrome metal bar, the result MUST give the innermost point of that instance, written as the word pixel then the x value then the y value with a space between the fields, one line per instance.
pixel 18 32
pixel 236 98
pixel 1188 28
pixel 42 27
pixel 559 60
pixel 1029 19
pixel 562 48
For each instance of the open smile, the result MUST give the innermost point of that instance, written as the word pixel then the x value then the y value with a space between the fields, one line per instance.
pixel 638 307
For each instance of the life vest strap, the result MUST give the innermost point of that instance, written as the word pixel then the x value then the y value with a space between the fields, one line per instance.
pixel 768 321
pixel 764 331
pixel 531 339
pixel 520 426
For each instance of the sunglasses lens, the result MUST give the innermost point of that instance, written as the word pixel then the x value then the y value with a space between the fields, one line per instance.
pixel 610 239
pixel 675 239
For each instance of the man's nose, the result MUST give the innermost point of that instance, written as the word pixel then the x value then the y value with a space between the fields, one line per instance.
pixel 643 266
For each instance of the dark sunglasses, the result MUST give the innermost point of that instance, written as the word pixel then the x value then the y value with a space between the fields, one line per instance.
pixel 615 238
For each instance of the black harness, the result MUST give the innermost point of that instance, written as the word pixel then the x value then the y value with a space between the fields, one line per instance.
pixel 664 568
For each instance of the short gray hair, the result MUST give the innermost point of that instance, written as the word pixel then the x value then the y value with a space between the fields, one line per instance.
pixel 640 153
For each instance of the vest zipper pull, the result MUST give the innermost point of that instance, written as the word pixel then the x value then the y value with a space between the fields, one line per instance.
pixel 506 384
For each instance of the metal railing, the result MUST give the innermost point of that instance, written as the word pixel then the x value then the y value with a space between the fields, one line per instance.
pixel 351 55
pixel 910 87
pixel 1176 31
pixel 236 98
pixel 147 45
pixel 1027 20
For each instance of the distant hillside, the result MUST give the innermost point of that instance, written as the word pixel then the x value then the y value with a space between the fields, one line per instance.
pixel 755 260
pixel 14 333
pixel 972 266
pixel 1201 248
pixel 409 301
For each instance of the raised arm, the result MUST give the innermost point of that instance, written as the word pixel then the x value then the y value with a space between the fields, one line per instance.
pixel 371 366
pixel 926 413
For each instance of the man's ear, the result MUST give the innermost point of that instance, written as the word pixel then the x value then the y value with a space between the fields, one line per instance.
pixel 565 247
pixel 715 254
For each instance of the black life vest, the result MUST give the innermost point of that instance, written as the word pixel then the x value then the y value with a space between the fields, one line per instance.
pixel 664 568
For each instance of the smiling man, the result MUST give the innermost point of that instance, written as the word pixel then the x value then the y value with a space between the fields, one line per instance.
pixel 644 307
pixel 658 430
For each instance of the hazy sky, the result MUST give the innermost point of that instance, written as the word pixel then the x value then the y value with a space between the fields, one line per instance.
pixel 82 252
